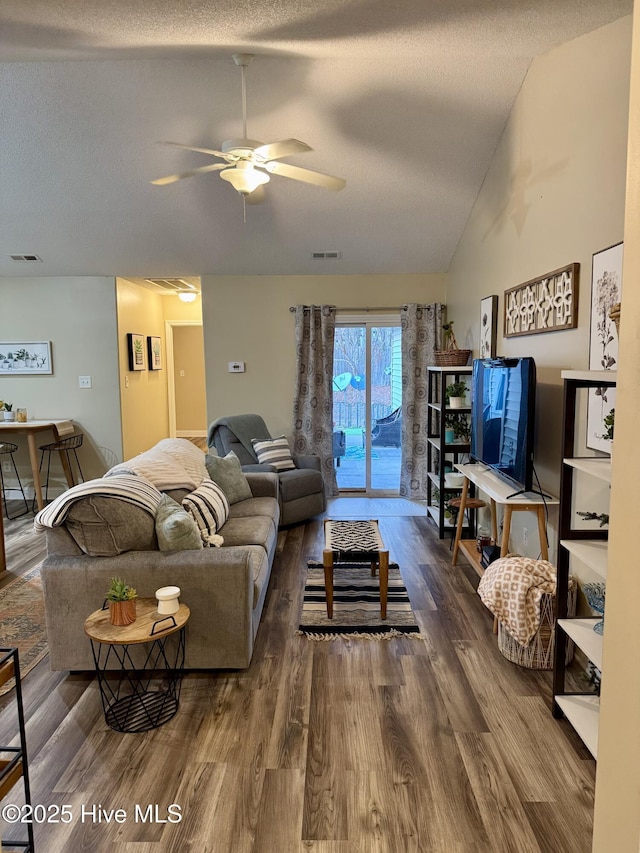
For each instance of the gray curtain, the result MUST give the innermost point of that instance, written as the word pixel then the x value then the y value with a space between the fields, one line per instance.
pixel 421 334
pixel 313 400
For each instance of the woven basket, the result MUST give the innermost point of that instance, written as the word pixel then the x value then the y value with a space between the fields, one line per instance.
pixel 451 357
pixel 539 653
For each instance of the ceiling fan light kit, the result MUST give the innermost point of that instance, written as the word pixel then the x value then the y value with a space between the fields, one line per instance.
pixel 248 163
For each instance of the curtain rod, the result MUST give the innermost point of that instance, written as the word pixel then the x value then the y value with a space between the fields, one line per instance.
pixel 292 308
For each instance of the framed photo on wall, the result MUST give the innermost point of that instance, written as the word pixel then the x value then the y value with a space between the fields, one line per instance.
pixel 154 352
pixel 606 293
pixel 488 326
pixel 135 345
pixel 19 357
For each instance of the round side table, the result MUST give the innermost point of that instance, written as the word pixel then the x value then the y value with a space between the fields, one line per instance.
pixel 139 687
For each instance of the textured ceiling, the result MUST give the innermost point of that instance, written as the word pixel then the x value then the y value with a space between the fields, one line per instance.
pixel 406 100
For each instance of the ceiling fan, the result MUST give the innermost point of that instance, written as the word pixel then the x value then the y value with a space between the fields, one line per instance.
pixel 248 164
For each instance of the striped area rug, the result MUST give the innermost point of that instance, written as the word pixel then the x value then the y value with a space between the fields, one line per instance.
pixel 356 604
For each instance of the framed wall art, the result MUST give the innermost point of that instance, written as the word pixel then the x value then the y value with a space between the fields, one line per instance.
pixel 606 294
pixel 545 304
pixel 135 345
pixel 20 357
pixel 154 352
pixel 488 326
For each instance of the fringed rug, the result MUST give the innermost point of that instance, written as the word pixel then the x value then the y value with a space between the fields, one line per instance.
pixel 22 622
pixel 356 604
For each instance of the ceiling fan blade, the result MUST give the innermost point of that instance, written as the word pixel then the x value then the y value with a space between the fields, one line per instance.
pixel 171 179
pixel 191 148
pixel 283 148
pixel 258 196
pixel 319 179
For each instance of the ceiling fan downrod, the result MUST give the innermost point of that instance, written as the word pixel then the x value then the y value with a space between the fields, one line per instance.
pixel 243 60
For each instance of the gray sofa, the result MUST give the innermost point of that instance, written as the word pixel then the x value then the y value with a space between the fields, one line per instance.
pixel 224 587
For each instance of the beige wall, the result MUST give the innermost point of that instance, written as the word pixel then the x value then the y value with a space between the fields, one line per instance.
pixel 617 813
pixel 189 380
pixel 78 316
pixel 554 194
pixel 145 417
pixel 247 318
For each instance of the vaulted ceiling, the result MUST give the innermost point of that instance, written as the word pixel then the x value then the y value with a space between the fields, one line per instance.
pixel 406 100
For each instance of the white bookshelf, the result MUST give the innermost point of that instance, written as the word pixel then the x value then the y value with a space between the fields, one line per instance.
pixel 583 712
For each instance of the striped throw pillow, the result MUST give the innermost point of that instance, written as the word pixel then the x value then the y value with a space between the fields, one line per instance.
pixel 274 451
pixel 210 509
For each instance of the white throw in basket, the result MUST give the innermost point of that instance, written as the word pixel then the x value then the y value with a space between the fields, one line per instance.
pixel 538 654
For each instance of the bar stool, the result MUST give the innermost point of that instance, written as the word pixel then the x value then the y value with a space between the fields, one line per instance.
pixel 6 448
pixel 65 447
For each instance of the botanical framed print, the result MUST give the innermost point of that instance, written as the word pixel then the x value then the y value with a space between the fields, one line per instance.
pixel 488 326
pixel 606 294
pixel 20 357
pixel 154 352
pixel 135 345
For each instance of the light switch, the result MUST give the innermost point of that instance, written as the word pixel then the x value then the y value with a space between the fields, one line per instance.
pixel 84 381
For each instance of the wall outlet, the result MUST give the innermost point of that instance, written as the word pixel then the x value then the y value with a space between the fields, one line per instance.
pixel 6 467
pixel 84 381
pixel 236 367
pixel 525 537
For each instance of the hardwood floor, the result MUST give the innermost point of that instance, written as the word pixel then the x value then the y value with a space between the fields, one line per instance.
pixel 348 746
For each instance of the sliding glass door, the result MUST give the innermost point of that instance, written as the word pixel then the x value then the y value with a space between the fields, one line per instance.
pixel 367 399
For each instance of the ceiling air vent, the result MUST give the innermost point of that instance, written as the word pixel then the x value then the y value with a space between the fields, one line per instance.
pixel 26 258
pixel 326 256
pixel 172 285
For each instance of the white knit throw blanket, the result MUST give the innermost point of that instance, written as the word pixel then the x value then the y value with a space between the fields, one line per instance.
pixel 126 487
pixel 173 463
pixel 512 588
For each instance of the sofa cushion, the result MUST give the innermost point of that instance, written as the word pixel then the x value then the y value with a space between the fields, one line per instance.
pixel 300 484
pixel 107 526
pixel 248 531
pixel 226 471
pixel 176 529
pixel 209 507
pixel 274 451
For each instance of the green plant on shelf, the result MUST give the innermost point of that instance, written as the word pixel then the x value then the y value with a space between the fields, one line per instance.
pixel 455 389
pixel 459 423
pixel 609 422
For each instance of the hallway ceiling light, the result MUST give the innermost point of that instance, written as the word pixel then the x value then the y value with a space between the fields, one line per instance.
pixel 187 296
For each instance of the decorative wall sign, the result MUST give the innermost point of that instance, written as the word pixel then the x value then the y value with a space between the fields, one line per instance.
pixel 154 352
pixel 20 357
pixel 488 326
pixel 545 304
pixel 135 344
pixel 606 292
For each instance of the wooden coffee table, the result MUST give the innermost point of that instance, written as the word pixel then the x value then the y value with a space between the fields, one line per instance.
pixel 139 688
pixel 354 541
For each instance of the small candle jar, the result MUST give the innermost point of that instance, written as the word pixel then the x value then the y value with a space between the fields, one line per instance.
pixel 21 416
pixel 168 599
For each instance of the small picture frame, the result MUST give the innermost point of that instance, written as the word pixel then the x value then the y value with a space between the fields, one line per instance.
pixel 135 345
pixel 488 326
pixel 154 352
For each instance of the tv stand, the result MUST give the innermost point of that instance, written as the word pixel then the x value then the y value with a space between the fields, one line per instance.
pixel 497 490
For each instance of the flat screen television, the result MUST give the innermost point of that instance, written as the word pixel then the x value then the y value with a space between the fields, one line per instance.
pixel 503 395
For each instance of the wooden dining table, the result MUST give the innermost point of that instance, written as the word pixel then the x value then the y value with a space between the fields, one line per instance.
pixel 60 429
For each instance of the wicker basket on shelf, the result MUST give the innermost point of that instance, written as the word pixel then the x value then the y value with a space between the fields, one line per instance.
pixel 451 357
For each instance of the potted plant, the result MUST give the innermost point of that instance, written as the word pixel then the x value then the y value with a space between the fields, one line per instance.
pixel 460 426
pixel 8 413
pixel 455 393
pixel 122 602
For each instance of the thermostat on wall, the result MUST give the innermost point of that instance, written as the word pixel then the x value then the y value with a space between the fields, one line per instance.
pixel 236 367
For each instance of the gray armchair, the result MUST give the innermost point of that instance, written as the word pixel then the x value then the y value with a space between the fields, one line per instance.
pixel 301 492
